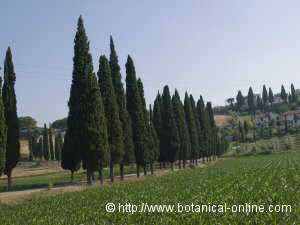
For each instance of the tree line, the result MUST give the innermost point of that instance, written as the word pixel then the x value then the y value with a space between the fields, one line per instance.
pixel 110 125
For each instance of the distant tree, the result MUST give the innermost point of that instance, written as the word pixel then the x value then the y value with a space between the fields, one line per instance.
pixel 290 98
pixel 60 124
pixel 241 132
pixel 185 144
pixel 283 94
pixel 240 100
pixel 259 103
pixel 51 145
pixel 135 108
pixel 250 100
pixel 114 125
pixel 27 122
pixel 190 120
pixel 246 127
pixel 230 101
pixel 3 132
pixel 46 143
pixel 10 114
pixel 170 139
pixel 293 93
pixel 271 96
pixel 265 97
pixel 123 113
pixel 40 148
pixel 58 147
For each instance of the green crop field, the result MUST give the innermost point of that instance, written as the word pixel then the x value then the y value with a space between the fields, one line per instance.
pixel 265 180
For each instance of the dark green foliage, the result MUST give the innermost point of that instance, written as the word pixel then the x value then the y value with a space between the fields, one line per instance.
pixel 157 123
pixel 10 114
pixel 95 136
pixel 40 148
pixel 212 130
pixel 58 146
pixel 170 135
pixel 27 122
pixel 73 141
pixel 198 127
pixel 250 100
pixel 265 96
pixel 135 108
pixel 46 143
pixel 259 103
pixel 190 120
pixel 60 124
pixel 283 94
pixel 123 113
pixel 114 126
pixel 240 100
pixel 51 146
pixel 293 93
pixel 271 96
pixel 3 133
pixel 185 143
pixel 153 142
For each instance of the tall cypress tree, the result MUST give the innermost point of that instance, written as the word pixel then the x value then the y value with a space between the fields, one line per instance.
pixel 212 130
pixel 3 133
pixel 114 126
pixel 185 144
pixel 10 114
pixel 265 96
pixel 148 147
pixel 135 108
pixel 95 154
pixel 157 123
pixel 58 147
pixel 283 94
pixel 190 120
pixel 271 96
pixel 153 143
pixel 250 100
pixel 293 93
pixel 51 146
pixel 73 141
pixel 123 113
pixel 170 134
pixel 46 143
pixel 240 100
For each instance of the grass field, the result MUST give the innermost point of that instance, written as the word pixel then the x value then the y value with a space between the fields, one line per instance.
pixel 258 180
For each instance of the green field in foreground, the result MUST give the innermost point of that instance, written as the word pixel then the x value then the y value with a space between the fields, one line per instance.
pixel 257 180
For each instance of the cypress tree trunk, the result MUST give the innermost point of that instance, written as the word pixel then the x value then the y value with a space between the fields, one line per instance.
pixel 122 171
pixel 9 181
pixel 160 165
pixel 145 170
pixel 89 177
pixel 196 161
pixel 111 172
pixel 93 176
pixel 101 175
pixel 151 168
pixel 184 163
pixel 72 176
pixel 179 165
pixel 172 166
pixel 137 170
pixel 164 165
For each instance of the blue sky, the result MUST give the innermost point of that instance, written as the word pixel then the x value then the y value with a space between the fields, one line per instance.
pixel 211 47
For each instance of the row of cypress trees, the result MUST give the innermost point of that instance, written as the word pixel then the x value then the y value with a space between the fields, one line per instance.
pixel 108 126
pixel 9 127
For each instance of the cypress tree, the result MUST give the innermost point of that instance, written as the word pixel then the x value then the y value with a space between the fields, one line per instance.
pixel 40 148
pixel 58 147
pixel 239 100
pixel 283 94
pixel 185 144
pixel 259 103
pixel 73 140
pixel 271 96
pixel 114 126
pixel 135 108
pixel 123 113
pixel 157 123
pixel 11 117
pixel 190 120
pixel 203 121
pixel 293 93
pixel 3 134
pixel 265 97
pixel 95 154
pixel 198 127
pixel 212 131
pixel 46 143
pixel 148 148
pixel 51 146
pixel 153 143
pixel 170 135
pixel 250 100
